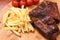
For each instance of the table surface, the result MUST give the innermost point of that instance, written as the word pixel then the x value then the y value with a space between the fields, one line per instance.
pixel 3 3
pixel 8 35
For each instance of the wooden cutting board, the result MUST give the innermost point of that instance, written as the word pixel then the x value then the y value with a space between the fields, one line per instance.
pixel 8 35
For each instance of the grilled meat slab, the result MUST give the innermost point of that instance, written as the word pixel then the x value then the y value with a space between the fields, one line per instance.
pixel 47 31
pixel 52 8
pixel 43 17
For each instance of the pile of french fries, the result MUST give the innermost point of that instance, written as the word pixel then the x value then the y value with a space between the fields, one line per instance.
pixel 18 20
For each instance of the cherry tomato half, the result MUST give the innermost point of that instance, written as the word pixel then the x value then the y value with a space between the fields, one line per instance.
pixel 22 2
pixel 15 3
pixel 29 2
pixel 36 1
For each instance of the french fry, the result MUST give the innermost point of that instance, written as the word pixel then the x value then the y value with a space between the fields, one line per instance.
pixel 5 17
pixel 19 19
pixel 17 33
pixel 11 28
pixel 19 30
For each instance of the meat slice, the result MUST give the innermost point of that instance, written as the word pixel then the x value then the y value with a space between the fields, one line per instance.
pixel 44 22
pixel 52 8
pixel 42 15
pixel 46 30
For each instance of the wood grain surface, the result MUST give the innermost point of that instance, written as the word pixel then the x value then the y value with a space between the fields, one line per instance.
pixel 3 3
pixel 8 35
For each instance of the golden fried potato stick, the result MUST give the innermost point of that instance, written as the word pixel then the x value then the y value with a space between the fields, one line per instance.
pixel 17 20
pixel 17 33
pixel 5 17
pixel 16 11
pixel 11 28
pixel 30 27
pixel 19 30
